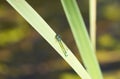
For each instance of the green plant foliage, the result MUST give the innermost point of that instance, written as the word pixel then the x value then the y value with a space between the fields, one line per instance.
pixel 112 12
pixel 32 17
pixel 69 76
pixel 15 35
pixel 81 37
pixel 106 41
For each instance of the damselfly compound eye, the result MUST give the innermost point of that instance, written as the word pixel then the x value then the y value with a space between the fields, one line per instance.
pixel 58 37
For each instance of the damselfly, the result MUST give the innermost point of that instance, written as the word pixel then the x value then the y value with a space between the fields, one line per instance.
pixel 59 39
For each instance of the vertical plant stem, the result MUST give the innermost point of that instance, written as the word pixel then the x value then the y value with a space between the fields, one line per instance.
pixel 92 11
pixel 81 37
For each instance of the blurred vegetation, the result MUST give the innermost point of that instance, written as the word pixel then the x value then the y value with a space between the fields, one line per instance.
pixel 69 76
pixel 25 55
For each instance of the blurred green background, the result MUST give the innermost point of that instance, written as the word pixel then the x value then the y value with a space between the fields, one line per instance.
pixel 24 54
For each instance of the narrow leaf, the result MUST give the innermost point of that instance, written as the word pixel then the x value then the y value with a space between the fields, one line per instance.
pixel 81 37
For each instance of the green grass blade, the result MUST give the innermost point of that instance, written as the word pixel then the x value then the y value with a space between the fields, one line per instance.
pixel 92 12
pixel 48 34
pixel 81 37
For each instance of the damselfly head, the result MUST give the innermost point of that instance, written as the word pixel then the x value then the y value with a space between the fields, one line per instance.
pixel 58 37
